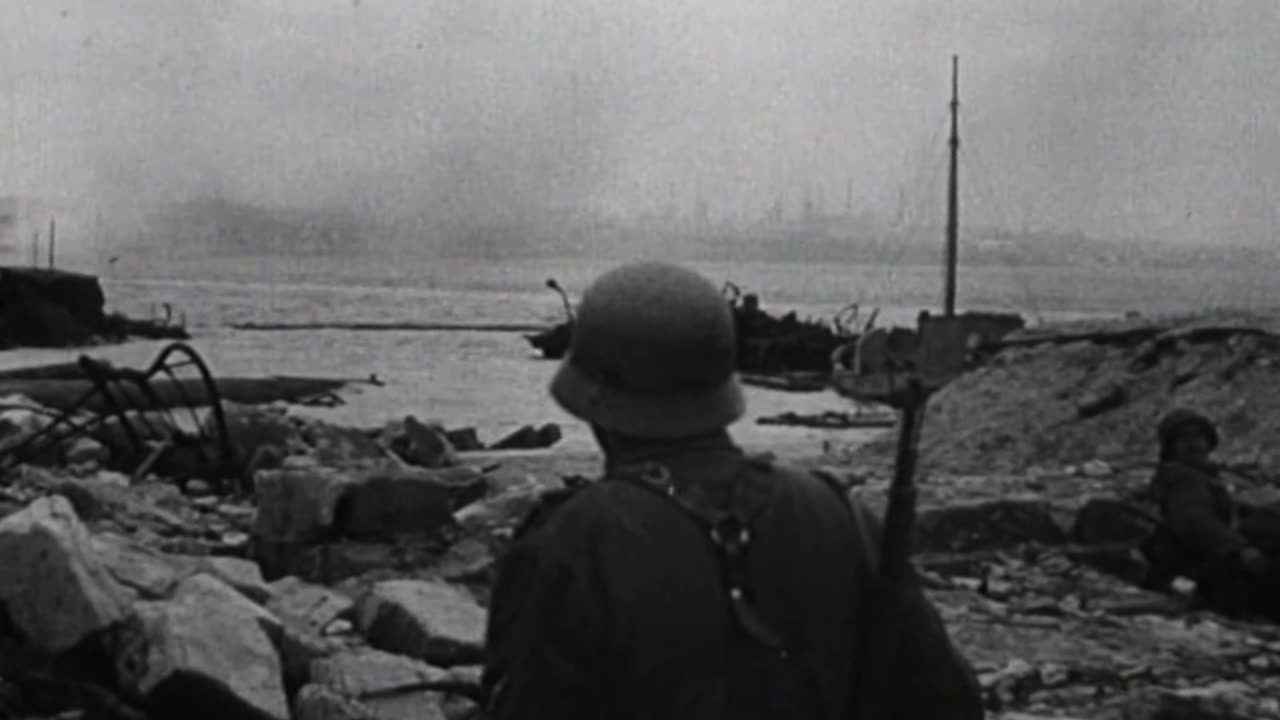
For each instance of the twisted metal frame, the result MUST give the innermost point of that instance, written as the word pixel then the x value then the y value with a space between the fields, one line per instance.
pixel 110 386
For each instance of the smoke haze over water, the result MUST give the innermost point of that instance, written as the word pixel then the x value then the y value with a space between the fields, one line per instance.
pixel 1123 118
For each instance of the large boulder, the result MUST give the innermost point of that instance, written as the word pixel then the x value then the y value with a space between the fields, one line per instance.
pixel 385 503
pixel 312 618
pixel 497 515
pixel 371 684
pixel 314 606
pixel 206 652
pixel 424 619
pixel 150 574
pixel 297 505
pixel 53 585
pixel 243 575
pixel 314 504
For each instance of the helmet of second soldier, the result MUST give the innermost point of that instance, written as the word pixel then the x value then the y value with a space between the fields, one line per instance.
pixel 1177 422
pixel 652 355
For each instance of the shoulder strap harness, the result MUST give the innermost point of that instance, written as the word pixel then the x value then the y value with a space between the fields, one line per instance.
pixel 730 532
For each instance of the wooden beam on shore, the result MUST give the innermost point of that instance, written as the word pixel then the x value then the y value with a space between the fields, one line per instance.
pixel 65 394
pixel 393 327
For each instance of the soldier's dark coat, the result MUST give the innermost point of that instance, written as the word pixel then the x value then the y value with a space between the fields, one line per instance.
pixel 1205 531
pixel 1198 507
pixel 610 606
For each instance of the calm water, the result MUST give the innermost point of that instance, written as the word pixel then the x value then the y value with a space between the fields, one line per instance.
pixel 493 382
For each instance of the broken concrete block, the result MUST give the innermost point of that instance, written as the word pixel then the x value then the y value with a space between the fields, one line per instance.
pixel 308 612
pixel 205 588
pixel 428 620
pixel 393 687
pixel 315 606
pixel 390 501
pixel 239 573
pixel 502 511
pixel 204 649
pixel 334 562
pixel 307 505
pixel 151 574
pixel 297 505
pixel 52 583
pixel 467 560
pixel 989 525
pixel 316 702
pixel 360 673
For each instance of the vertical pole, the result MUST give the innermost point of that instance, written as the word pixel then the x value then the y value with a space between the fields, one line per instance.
pixel 53 237
pixel 953 194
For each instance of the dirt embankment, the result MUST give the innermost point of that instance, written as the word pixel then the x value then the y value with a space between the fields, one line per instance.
pixel 1064 396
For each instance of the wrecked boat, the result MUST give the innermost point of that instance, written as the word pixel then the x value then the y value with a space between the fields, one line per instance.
pixel 553 342
pixel 786 346
pixel 769 347
pixel 883 361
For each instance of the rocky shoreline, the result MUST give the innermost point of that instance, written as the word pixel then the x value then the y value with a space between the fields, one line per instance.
pixel 351 581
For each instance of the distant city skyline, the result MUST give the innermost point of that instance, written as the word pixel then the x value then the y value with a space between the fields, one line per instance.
pixel 1146 119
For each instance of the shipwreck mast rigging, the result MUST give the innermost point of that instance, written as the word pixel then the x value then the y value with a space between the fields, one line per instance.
pixel 953 194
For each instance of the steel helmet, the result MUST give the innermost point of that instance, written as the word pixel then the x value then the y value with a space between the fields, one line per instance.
pixel 652 355
pixel 1180 418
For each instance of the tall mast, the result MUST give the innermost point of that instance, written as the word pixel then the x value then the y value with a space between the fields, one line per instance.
pixel 953 194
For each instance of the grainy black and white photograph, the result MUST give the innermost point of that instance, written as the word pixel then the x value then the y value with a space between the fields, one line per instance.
pixel 639 360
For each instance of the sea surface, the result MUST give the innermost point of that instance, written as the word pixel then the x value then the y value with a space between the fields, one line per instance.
pixel 495 383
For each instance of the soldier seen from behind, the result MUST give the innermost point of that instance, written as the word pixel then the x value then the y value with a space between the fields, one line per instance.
pixel 1231 551
pixel 692 581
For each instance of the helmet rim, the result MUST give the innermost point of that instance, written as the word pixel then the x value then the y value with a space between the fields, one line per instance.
pixel 647 415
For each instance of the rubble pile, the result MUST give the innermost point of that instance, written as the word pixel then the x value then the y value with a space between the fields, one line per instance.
pixel 353 582
pixel 1063 397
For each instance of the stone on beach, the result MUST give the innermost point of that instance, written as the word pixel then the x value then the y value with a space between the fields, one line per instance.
pixel 53 586
pixel 428 620
pixel 207 647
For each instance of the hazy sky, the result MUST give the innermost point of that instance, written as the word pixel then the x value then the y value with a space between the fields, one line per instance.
pixel 1119 117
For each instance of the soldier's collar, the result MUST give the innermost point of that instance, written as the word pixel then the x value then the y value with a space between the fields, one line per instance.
pixel 671 453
